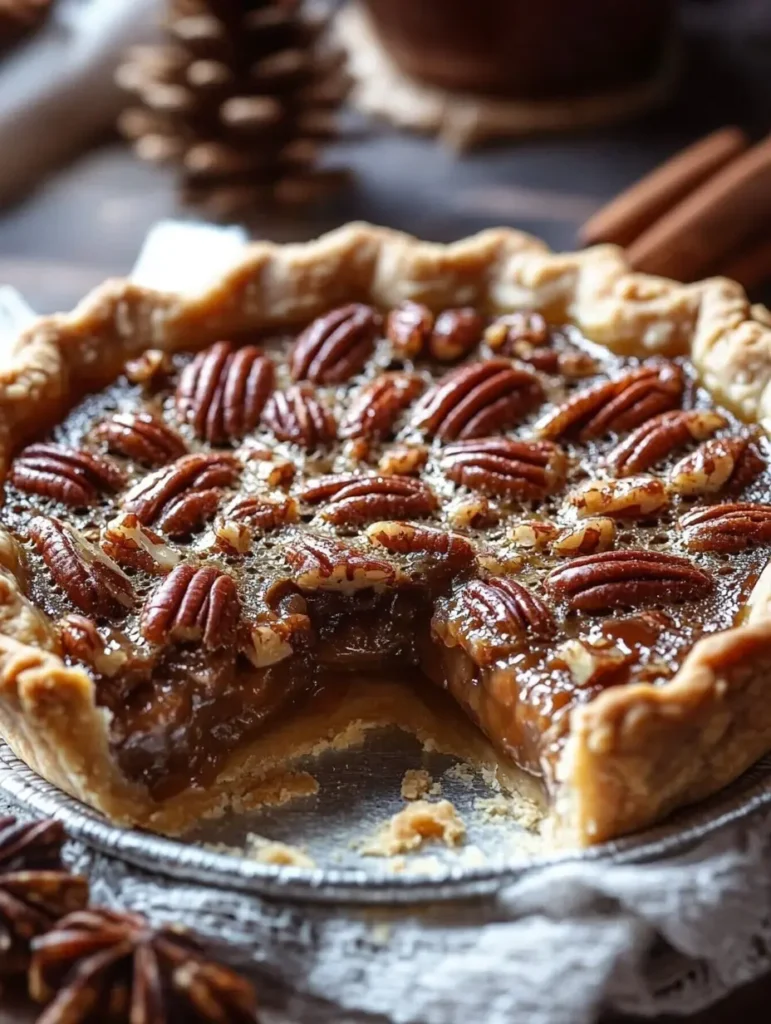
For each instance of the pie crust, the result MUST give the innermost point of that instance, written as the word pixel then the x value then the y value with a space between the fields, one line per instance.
pixel 634 752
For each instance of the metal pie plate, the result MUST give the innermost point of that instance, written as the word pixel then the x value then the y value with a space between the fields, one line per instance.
pixel 358 790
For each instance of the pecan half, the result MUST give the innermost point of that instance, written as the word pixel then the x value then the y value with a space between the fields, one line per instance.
pixel 298 416
pixel 616 579
pixel 68 475
pixel 408 328
pixel 322 563
pixel 375 408
pixel 91 580
pixel 280 629
pixel 352 500
pixel 478 400
pixel 193 604
pixel 660 436
pixel 455 333
pixel 615 406
pixel 403 459
pixel 726 527
pixel 721 464
pixel 336 346
pixel 130 544
pixel 633 497
pixel 589 536
pixel 83 642
pixel 505 468
pixel 181 497
pixel 407 539
pixel 251 514
pixel 141 437
pixel 223 391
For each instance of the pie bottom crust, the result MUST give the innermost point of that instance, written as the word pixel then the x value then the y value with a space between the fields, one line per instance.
pixel 633 753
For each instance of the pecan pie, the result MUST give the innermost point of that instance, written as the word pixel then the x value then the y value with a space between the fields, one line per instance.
pixel 537 482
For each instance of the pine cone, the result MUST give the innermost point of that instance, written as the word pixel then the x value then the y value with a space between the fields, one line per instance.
pixel 18 18
pixel 35 889
pixel 98 959
pixel 240 97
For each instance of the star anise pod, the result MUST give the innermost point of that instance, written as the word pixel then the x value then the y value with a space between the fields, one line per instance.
pixel 100 966
pixel 35 889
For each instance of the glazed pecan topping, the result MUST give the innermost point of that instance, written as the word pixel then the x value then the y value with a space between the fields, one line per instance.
pixel 253 514
pixel 83 642
pixel 193 605
pixel 478 400
pixel 726 527
pixel 505 468
pixel 633 497
pixel 134 546
pixel 223 391
pixel 615 406
pixel 91 580
pixel 298 416
pixel 408 539
pixel 181 497
pixel 322 563
pixel 408 328
pixel 660 436
pixel 73 477
pixel 141 437
pixel 375 408
pixel 352 500
pixel 336 346
pixel 721 464
pixel 627 579
pixel 456 332
pixel 589 536
pixel 403 459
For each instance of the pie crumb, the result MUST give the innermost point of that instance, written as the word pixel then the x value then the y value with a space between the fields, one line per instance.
pixel 416 824
pixel 461 772
pixel 277 791
pixel 267 851
pixel 513 806
pixel 418 783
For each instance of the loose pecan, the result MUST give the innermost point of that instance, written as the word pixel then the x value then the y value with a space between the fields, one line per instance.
pixel 408 539
pixel 83 642
pixel 352 500
pixel 322 563
pixel 455 333
pixel 633 497
pixel 91 580
pixel 193 604
pixel 141 437
pixel 250 514
pixel 505 468
pixel 375 408
pixel 408 328
pixel 615 579
pixel 336 346
pixel 615 406
pixel 130 544
pixel 726 527
pixel 181 497
pixel 477 400
pixel 534 534
pixel 721 464
pixel 403 459
pixel 298 416
pixel 660 436
pixel 589 536
pixel 73 477
pixel 223 391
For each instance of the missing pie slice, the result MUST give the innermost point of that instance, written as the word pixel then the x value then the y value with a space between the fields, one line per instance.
pixel 537 482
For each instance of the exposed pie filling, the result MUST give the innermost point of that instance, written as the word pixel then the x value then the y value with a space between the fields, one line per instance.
pixel 499 505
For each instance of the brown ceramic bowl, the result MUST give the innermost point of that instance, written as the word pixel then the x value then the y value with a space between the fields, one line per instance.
pixel 535 49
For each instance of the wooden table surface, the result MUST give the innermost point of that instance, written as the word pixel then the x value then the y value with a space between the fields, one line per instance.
pixel 88 220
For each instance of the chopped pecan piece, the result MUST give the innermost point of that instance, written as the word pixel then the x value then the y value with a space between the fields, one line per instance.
pixel 408 328
pixel 615 406
pixel 73 477
pixel 281 629
pixel 298 416
pixel 617 579
pixel 322 563
pixel 130 544
pixel 524 327
pixel 91 580
pixel 407 539
pixel 352 500
pixel 150 369
pixel 268 466
pixel 727 527
pixel 82 641
pixel 478 400
pixel 527 338
pixel 141 437
pixel 336 346
pixel 193 604
pixel 633 497
pixel 505 468
pixel 223 391
pixel 403 459
pixel 181 497
pixel 660 436
pixel 721 464
pixel 589 536
pixel 534 533
pixel 595 663
pixel 472 513
pixel 376 406
pixel 456 332
pixel 250 514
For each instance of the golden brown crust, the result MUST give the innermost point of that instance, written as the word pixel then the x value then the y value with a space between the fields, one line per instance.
pixel 633 753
